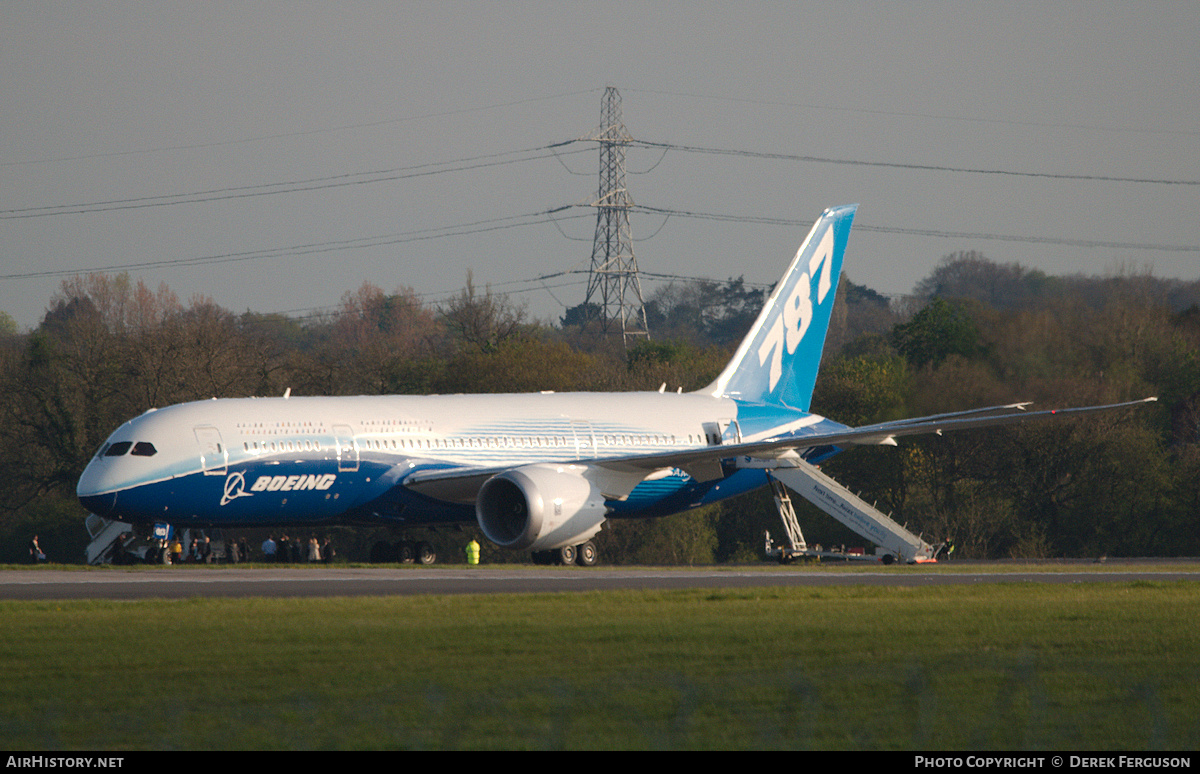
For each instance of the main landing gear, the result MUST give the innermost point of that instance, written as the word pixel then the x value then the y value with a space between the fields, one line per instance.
pixel 584 555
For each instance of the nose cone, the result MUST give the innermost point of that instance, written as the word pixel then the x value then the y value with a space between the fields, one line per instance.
pixel 91 491
pixel 101 505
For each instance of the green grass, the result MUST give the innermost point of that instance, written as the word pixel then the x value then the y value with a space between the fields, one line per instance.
pixel 995 666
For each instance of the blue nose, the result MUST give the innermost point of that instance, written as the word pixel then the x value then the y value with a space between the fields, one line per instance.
pixel 101 505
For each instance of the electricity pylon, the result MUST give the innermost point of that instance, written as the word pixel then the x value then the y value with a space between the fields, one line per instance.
pixel 614 290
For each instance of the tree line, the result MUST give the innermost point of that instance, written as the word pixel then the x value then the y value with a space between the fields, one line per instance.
pixel 978 333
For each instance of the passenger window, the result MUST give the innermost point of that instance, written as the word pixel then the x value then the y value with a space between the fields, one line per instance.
pixel 144 449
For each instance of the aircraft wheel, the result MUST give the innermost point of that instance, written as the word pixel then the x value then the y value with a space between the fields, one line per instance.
pixel 586 555
pixel 404 552
pixel 425 553
pixel 566 555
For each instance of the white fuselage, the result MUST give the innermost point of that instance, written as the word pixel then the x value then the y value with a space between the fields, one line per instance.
pixel 275 460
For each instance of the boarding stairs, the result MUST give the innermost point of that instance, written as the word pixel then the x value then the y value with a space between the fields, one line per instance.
pixel 896 542
pixel 109 538
pixel 116 542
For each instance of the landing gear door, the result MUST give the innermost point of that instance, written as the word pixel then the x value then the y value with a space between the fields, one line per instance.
pixel 347 449
pixel 214 458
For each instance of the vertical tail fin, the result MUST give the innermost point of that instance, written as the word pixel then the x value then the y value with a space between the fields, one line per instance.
pixel 778 360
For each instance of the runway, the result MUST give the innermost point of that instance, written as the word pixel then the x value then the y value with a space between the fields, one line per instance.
pixel 184 582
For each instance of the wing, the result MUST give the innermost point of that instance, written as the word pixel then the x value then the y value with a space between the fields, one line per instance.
pixel 622 474
pixel 1011 414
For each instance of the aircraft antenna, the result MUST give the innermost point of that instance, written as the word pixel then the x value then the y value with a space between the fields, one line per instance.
pixel 614 293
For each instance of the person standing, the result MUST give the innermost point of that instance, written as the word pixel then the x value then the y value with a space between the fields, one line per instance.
pixel 35 551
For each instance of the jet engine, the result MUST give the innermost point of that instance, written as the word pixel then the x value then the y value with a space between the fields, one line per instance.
pixel 540 507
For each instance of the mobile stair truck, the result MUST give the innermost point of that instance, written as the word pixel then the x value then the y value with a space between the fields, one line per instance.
pixel 896 544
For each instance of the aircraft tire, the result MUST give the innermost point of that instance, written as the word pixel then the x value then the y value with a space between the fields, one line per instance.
pixel 404 552
pixel 586 554
pixel 425 553
pixel 566 555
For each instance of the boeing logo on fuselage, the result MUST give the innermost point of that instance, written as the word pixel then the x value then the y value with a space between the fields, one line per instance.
pixel 293 483
pixel 235 484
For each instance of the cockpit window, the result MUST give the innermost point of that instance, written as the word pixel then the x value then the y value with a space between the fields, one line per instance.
pixel 118 448
pixel 144 449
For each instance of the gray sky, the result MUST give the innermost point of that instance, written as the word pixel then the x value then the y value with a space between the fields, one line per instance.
pixel 107 106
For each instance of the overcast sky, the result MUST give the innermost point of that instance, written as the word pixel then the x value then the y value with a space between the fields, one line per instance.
pixel 136 134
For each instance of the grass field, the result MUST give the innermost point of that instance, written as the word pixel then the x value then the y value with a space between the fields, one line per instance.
pixel 983 667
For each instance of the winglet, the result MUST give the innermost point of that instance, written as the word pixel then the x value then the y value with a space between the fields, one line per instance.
pixel 778 360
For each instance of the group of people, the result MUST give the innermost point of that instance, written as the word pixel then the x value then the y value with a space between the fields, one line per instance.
pixel 237 551
pixel 296 550
pixel 200 550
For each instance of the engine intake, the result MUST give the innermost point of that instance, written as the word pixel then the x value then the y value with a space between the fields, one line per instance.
pixel 539 507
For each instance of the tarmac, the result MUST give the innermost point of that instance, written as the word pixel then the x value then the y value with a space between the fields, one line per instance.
pixel 43 583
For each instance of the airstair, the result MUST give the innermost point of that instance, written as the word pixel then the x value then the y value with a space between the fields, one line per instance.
pixel 116 542
pixel 108 538
pixel 806 480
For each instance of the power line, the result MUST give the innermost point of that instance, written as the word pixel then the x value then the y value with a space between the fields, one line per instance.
pixel 418 235
pixel 1032 239
pixel 858 226
pixel 900 165
pixel 934 116
pixel 294 186
pixel 436 297
pixel 490 160
pixel 303 133
pixel 554 216
pixel 535 284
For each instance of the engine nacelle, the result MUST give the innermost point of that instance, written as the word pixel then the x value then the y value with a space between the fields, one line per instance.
pixel 539 507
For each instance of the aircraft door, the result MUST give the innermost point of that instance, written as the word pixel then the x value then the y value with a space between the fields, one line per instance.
pixel 585 441
pixel 347 449
pixel 722 431
pixel 214 458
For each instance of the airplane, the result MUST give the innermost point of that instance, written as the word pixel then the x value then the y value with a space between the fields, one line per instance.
pixel 537 472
